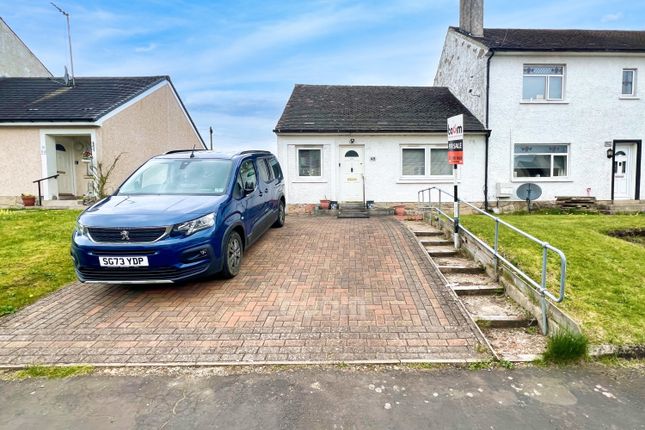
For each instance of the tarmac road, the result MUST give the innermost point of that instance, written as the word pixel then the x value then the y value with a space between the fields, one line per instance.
pixel 587 397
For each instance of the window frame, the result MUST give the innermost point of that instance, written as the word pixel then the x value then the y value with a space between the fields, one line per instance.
pixel 427 159
pixel 322 164
pixel 550 178
pixel 634 71
pixel 546 76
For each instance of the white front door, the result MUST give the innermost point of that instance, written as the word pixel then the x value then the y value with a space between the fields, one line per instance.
pixel 65 169
pixel 351 173
pixel 624 171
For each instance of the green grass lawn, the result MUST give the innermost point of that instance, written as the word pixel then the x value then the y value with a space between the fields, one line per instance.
pixel 34 253
pixel 605 288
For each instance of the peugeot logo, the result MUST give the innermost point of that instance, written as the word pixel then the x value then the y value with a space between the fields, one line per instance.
pixel 125 235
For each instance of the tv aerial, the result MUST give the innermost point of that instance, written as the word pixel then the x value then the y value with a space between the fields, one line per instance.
pixel 529 192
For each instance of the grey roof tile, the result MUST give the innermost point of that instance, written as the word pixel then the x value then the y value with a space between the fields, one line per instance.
pixel 47 99
pixel 516 39
pixel 373 109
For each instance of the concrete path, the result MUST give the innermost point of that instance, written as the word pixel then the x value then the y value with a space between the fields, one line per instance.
pixel 330 398
pixel 320 289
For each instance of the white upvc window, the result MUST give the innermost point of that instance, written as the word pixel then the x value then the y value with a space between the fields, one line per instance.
pixel 543 82
pixel 628 88
pixel 424 162
pixel 540 160
pixel 309 162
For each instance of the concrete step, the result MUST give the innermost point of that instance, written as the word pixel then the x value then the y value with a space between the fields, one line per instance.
pixel 470 279
pixel 460 269
pixel 477 290
pixel 427 233
pixel 496 312
pixel 63 204
pixel 436 242
pixel 503 321
pixel 516 344
pixel 442 252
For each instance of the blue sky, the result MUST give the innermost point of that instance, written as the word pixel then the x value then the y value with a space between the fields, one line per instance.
pixel 234 63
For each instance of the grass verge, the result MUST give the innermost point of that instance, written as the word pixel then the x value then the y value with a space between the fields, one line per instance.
pixel 34 255
pixel 605 274
pixel 53 372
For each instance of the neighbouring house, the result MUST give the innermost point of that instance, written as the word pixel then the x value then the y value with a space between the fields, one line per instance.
pixel 16 59
pixel 51 127
pixel 378 143
pixel 566 108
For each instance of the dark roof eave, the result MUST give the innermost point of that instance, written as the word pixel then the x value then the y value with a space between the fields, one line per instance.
pixel 52 120
pixel 337 131
pixel 496 49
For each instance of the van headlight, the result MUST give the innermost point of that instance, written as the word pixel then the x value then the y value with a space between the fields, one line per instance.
pixel 81 229
pixel 190 227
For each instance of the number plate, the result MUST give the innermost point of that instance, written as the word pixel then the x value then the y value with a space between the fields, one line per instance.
pixel 130 261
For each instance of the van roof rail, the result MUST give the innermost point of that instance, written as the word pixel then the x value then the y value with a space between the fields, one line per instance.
pixel 177 151
pixel 254 151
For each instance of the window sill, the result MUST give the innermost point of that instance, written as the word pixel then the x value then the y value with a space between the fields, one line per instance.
pixel 629 98
pixel 544 102
pixel 309 180
pixel 541 180
pixel 438 180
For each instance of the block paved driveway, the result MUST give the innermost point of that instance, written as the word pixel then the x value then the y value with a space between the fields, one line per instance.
pixel 319 289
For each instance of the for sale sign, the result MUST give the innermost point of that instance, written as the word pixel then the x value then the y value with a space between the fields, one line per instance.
pixel 456 139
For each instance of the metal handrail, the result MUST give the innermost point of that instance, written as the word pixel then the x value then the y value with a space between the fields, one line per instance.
pixel 541 287
pixel 38 181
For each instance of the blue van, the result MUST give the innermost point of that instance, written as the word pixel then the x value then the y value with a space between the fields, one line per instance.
pixel 181 215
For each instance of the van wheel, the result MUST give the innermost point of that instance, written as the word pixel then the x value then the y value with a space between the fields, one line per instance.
pixel 233 252
pixel 281 214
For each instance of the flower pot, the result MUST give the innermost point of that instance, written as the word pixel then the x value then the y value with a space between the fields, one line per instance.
pixel 399 210
pixel 28 200
pixel 324 204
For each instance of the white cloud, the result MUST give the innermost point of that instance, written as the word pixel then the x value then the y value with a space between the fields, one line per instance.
pixel 147 48
pixel 611 17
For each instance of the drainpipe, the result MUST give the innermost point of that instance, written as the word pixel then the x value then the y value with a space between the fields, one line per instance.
pixel 487 129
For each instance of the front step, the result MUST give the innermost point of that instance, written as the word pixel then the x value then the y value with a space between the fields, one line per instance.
pixel 436 242
pixel 442 252
pixel 504 321
pixel 460 269
pixel 477 290
pixel 427 233
pixel 352 210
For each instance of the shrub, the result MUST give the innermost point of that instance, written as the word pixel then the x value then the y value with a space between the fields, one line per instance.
pixel 565 347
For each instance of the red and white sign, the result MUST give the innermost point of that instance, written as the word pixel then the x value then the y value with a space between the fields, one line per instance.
pixel 456 139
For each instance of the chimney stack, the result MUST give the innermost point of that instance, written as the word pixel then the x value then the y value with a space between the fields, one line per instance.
pixel 471 17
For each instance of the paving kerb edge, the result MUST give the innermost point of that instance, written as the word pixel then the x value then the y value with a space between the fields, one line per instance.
pixel 453 361
pixel 478 332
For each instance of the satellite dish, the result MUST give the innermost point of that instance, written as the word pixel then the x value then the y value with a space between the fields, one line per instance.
pixel 529 192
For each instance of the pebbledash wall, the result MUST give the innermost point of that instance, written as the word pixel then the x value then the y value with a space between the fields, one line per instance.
pixel 592 113
pixel 382 166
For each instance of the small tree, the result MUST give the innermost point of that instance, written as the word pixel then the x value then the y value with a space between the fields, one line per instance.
pixel 101 176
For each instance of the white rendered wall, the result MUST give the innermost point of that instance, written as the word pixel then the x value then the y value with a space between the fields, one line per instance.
pixel 383 181
pixel 592 113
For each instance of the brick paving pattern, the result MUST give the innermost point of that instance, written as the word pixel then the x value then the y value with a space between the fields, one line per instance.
pixel 319 289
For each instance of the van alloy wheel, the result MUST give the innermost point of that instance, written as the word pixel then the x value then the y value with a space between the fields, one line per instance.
pixel 234 252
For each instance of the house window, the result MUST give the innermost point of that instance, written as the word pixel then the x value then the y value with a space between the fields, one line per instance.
pixel 425 162
pixel 413 161
pixel 629 82
pixel 540 161
pixel 309 162
pixel 543 82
